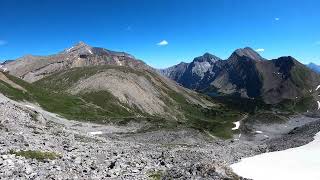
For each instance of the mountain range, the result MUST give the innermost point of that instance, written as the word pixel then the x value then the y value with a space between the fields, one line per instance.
pixel 88 83
pixel 246 74
pixel 95 84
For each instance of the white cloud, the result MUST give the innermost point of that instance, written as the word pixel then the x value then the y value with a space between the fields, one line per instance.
pixel 317 43
pixel 3 42
pixel 260 50
pixel 163 43
pixel 277 19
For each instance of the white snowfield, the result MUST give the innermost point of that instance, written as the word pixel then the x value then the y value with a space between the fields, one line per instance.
pixel 295 164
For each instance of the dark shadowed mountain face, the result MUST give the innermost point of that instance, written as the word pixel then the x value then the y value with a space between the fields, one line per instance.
pixel 191 74
pixel 245 73
pixel 175 71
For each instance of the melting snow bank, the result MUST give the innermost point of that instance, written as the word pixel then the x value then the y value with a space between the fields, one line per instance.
pixel 296 163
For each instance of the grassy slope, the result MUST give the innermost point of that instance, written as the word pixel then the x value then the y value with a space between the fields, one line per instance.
pixel 69 106
pixel 103 107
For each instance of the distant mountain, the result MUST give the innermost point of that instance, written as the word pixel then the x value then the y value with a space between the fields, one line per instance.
pixel 314 67
pixel 6 62
pixel 190 74
pixel 246 74
pixel 32 68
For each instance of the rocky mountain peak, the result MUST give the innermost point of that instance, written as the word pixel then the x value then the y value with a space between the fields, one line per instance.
pixel 81 43
pixel 246 52
pixel 206 57
pixel 79 48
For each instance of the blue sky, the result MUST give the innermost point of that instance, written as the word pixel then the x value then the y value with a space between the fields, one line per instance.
pixel 162 32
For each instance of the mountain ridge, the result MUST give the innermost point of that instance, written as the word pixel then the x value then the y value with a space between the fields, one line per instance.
pixel 32 68
pixel 246 74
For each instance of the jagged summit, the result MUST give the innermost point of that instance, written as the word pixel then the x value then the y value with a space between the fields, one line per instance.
pixel 81 43
pixel 246 52
pixel 206 57
pixel 80 47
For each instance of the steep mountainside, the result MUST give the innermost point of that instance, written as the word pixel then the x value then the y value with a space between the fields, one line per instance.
pixel 32 68
pixel 245 73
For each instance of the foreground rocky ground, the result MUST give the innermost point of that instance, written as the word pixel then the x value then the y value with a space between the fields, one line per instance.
pixel 35 144
pixel 88 151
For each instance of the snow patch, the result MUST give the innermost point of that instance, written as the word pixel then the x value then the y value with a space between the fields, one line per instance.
pixel 294 164
pixel 90 51
pixel 68 50
pixel 318 102
pixel 96 133
pixel 317 87
pixel 2 68
pixel 237 125
pixel 29 106
pixel 259 132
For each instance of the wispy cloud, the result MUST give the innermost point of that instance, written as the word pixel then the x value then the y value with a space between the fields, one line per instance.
pixel 128 28
pixel 3 42
pixel 260 50
pixel 317 43
pixel 277 19
pixel 163 43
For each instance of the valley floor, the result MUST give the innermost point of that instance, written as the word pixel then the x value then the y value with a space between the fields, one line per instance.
pixel 35 144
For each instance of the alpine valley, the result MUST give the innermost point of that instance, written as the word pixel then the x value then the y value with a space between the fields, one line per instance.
pixel 92 113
